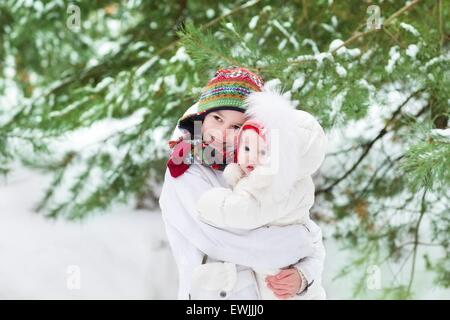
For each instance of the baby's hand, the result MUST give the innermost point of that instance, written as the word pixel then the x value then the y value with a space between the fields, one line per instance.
pixel 232 174
pixel 261 177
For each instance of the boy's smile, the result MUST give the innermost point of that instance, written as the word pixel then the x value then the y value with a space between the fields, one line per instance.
pixel 220 128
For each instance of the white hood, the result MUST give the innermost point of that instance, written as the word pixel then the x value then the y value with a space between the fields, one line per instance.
pixel 301 144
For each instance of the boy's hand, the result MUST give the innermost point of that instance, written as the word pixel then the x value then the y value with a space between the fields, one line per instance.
pixel 285 284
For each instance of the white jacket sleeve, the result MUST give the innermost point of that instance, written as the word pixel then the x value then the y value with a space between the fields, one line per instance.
pixel 312 266
pixel 225 208
pixel 250 205
pixel 268 247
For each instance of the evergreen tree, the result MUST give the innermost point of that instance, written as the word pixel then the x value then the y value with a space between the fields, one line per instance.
pixel 379 85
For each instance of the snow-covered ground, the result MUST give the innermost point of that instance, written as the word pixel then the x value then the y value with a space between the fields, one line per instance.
pixel 122 254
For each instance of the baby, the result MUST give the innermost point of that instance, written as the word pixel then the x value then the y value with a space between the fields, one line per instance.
pixel 278 149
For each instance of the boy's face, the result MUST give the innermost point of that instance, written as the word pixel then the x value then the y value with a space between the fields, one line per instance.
pixel 252 150
pixel 220 128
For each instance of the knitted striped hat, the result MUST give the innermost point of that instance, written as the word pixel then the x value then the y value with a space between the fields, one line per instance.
pixel 227 90
pixel 229 87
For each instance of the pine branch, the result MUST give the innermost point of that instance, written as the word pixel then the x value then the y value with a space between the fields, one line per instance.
pixel 368 145
pixel 402 265
pixel 96 69
pixel 416 241
pixel 426 164
pixel 374 175
pixel 244 6
pixel 441 28
pixel 104 68
pixel 193 39
pixel 356 35
pixel 388 21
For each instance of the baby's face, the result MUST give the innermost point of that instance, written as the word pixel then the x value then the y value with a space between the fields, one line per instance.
pixel 252 150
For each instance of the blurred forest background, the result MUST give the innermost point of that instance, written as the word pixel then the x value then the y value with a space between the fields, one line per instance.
pixel 90 92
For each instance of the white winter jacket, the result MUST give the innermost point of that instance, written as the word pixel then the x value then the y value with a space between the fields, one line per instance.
pixel 248 206
pixel 282 191
pixel 253 201
pixel 269 247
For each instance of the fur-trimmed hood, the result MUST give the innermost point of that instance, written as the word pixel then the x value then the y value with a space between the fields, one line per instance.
pixel 296 139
